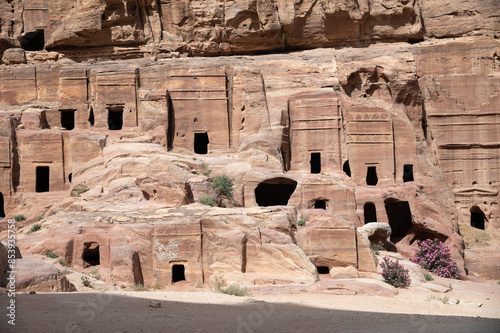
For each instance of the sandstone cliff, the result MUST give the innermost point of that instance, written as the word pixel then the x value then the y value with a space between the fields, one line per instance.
pixel 397 124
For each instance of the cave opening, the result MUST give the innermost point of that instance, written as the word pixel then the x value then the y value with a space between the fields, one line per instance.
pixel 33 41
pixel 275 191
pixel 371 176
pixel 370 212
pixel 137 269
pixel 115 118
pixel 2 206
pixel 347 168
pixel 201 143
pixel 178 273
pixel 68 119
pixel 42 179
pixel 408 173
pixel 323 269
pixel 91 117
pixel 320 204
pixel 91 255
pixel 315 162
pixel 400 220
pixel 70 177
pixel 477 218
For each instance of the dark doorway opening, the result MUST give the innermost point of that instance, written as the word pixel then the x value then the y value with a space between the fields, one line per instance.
pixel 408 173
pixel 315 162
pixel 323 270
pixel 68 119
pixel 70 177
pixel 320 204
pixel 115 118
pixel 171 124
pixel 347 168
pixel 42 178
pixel 275 191
pixel 201 143
pixel 2 205
pixel 477 218
pixel 178 273
pixel 371 176
pixel 91 256
pixel 370 212
pixel 33 41
pixel 136 268
pixel 91 117
pixel 399 215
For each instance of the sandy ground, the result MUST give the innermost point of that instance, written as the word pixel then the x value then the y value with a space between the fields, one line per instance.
pixel 470 307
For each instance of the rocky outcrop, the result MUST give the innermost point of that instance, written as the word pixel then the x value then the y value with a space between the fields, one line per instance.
pixel 126 28
pixel 36 275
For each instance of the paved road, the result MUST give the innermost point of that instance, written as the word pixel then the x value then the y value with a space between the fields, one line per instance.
pixel 77 312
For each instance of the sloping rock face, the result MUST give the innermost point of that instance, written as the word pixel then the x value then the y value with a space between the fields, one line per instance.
pixel 36 275
pixel 113 156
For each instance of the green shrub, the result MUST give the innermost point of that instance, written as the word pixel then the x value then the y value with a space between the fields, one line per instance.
pixel 78 191
pixel 140 287
pixel 482 238
pixel 394 273
pixel 428 277
pixel 19 217
pixel 301 222
pixel 207 200
pixel 223 186
pixel 233 289
pixel 444 299
pixel 336 87
pixel 205 170
pixel 62 262
pixel 51 254
pixel 35 227
pixel 86 281
pixel 95 274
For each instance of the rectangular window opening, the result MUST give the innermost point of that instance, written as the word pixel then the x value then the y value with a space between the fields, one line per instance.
pixel 68 119
pixel 178 273
pixel 408 173
pixel 42 179
pixel 371 176
pixel 315 162
pixel 320 204
pixel 201 143
pixel 115 118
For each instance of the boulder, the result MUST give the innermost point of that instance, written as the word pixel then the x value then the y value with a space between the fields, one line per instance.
pixel 376 231
pixel 355 286
pixel 14 56
pixel 37 275
pixel 348 272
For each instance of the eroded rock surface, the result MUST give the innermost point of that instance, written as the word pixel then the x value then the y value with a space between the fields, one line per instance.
pixel 113 157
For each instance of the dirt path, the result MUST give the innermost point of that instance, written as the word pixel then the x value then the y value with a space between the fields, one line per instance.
pixel 478 310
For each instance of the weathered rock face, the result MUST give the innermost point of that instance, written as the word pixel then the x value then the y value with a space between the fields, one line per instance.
pixel 191 244
pixel 36 275
pixel 400 133
pixel 232 27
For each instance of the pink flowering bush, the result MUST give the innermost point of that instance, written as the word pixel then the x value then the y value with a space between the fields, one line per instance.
pixel 377 247
pixel 434 256
pixel 394 273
